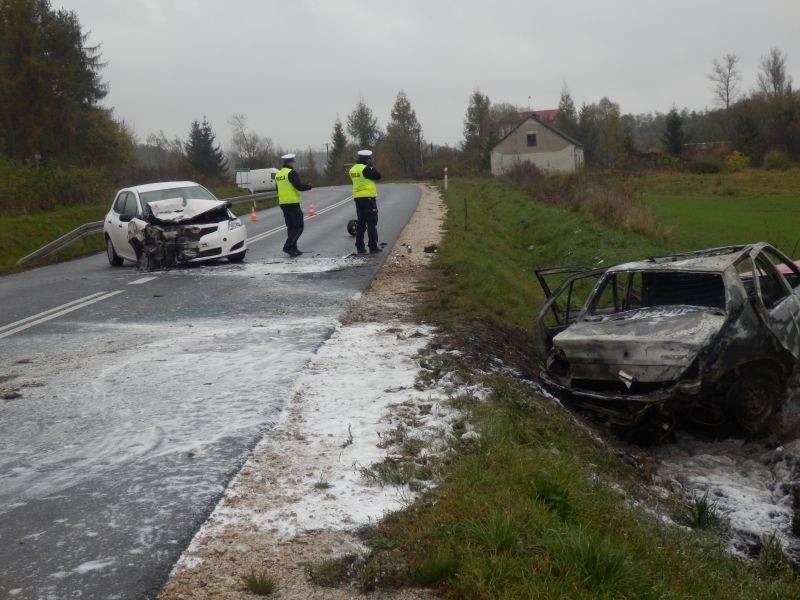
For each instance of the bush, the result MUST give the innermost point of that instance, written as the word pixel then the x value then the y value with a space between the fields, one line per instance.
pixel 706 163
pixel 736 161
pixel 777 160
pixel 27 188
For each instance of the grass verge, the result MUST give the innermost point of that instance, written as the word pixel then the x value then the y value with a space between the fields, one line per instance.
pixel 539 507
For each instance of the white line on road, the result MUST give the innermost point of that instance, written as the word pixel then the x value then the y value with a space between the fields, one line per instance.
pixel 51 314
pixel 142 280
pixel 41 314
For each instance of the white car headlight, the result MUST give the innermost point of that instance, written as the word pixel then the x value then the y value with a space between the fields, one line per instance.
pixel 234 224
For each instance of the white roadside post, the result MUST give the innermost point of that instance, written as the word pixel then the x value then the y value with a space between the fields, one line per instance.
pixel 445 179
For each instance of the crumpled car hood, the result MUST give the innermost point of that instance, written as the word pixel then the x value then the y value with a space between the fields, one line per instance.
pixel 651 345
pixel 177 210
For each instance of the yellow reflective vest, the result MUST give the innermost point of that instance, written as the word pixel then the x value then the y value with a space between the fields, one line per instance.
pixel 362 187
pixel 287 193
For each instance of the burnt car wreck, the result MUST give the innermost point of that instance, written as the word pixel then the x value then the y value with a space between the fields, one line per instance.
pixel 712 336
pixel 179 230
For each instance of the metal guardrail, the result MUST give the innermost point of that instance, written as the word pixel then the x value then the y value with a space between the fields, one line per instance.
pixel 88 229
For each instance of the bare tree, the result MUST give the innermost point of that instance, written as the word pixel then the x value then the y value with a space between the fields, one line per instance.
pixel 773 80
pixel 247 148
pixel 726 78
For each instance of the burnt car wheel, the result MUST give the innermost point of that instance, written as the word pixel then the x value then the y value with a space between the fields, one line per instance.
pixel 753 400
pixel 113 258
pixel 237 258
pixel 351 226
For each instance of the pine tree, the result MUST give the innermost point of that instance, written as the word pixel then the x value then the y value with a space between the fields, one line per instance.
pixel 51 87
pixel 363 126
pixel 404 137
pixel 205 158
pixel 334 168
pixel 674 138
pixel 478 134
pixel 567 119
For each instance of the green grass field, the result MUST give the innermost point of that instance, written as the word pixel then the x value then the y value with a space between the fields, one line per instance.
pixel 706 221
pixel 702 211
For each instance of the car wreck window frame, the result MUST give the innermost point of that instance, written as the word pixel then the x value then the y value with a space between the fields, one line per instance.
pixel 771 274
pixel 622 291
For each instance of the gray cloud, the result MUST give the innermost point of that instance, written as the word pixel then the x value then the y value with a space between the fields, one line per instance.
pixel 291 67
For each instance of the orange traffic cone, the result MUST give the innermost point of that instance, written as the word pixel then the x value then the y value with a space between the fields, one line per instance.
pixel 253 215
pixel 312 212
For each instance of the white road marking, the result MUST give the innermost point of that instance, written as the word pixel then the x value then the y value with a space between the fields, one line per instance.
pixel 47 315
pixel 142 280
pixel 46 312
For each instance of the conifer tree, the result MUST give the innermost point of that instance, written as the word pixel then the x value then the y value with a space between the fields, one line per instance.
pixel 204 155
pixel 404 136
pixel 363 126
pixel 674 138
pixel 50 88
pixel 479 136
pixel 334 168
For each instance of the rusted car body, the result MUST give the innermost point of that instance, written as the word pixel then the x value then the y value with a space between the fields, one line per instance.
pixel 712 335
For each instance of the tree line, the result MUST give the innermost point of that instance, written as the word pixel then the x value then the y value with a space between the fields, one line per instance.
pixel 51 117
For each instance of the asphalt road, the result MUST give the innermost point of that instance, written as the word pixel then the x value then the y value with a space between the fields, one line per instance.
pixel 132 398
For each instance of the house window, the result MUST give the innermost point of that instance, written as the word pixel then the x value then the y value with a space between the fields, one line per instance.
pixel 531 140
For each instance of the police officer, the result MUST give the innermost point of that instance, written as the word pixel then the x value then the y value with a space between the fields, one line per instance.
pixel 365 194
pixel 289 187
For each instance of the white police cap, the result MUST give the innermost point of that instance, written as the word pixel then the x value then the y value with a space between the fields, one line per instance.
pixel 365 152
pixel 288 157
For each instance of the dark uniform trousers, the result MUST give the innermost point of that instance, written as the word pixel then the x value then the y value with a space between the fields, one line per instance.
pixel 293 217
pixel 367 214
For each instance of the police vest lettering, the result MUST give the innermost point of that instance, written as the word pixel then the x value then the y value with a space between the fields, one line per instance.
pixel 287 193
pixel 362 186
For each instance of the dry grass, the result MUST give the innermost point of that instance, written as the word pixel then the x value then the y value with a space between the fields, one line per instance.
pixel 607 199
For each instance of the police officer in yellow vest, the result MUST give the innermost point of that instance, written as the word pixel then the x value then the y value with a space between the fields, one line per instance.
pixel 289 186
pixel 365 194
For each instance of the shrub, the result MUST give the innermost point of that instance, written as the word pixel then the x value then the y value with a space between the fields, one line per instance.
pixel 736 161
pixel 777 160
pixel 259 583
pixel 706 163
pixel 27 188
pixel 435 568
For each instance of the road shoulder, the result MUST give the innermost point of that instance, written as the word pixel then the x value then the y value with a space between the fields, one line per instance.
pixel 302 492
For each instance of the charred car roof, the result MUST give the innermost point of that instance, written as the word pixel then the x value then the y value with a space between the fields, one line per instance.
pixel 714 259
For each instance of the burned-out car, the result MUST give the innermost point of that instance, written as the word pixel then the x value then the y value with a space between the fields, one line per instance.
pixel 712 335
pixel 160 225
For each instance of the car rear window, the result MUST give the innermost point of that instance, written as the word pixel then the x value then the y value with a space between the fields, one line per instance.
pixel 631 290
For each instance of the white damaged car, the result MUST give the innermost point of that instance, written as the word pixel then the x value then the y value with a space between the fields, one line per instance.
pixel 159 225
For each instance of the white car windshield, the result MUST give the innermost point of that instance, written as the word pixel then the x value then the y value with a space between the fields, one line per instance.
pixel 192 191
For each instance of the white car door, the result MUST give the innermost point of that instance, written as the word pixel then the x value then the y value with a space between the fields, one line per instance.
pixel 125 205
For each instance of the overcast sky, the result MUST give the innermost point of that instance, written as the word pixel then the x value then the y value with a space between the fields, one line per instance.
pixel 291 67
